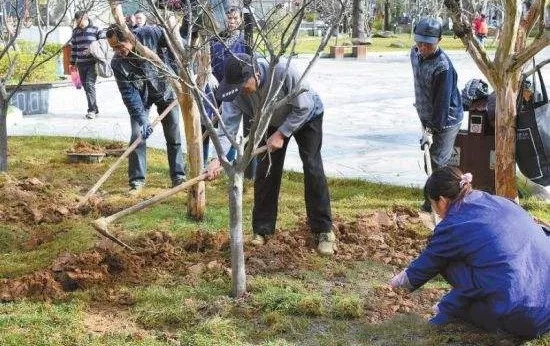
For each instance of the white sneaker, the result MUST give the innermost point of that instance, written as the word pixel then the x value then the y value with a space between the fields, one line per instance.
pixel 90 115
pixel 326 244
pixel 257 240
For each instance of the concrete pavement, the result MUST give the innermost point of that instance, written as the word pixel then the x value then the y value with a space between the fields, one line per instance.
pixel 371 129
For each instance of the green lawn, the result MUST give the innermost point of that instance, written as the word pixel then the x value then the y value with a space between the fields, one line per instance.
pixel 396 43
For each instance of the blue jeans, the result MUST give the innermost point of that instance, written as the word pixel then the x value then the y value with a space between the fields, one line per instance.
pixel 88 76
pixel 137 160
pixel 442 147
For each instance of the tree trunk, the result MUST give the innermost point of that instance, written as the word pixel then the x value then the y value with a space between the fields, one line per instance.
pixel 196 199
pixel 238 274
pixel 387 15
pixel 505 146
pixel 358 22
pixel 3 129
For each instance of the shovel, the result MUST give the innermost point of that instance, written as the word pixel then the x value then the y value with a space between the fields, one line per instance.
pixel 428 162
pixel 101 225
pixel 117 163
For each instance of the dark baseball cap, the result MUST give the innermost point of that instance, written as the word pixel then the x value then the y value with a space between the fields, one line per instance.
pixel 427 30
pixel 238 69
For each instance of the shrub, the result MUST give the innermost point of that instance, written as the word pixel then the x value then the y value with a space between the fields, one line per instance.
pixel 310 16
pixel 26 53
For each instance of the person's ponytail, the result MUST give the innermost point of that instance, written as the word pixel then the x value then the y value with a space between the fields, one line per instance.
pixel 448 182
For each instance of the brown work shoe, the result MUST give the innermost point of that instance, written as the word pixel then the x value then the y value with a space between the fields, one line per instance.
pixel 257 240
pixel 327 243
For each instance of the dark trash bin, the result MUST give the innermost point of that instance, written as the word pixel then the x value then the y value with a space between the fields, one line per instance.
pixel 474 149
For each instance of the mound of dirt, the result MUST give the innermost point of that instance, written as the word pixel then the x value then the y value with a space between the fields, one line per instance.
pixel 380 236
pixel 100 266
pixel 31 201
pixel 40 285
pixel 81 147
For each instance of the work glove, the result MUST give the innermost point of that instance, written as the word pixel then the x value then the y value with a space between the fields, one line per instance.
pixel 427 139
pixel 401 280
pixel 146 130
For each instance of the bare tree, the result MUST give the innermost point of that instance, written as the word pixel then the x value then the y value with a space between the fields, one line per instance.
pixel 278 39
pixel 504 73
pixel 15 19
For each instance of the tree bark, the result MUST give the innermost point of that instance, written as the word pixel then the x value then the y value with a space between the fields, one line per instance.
pixel 358 22
pixel 3 137
pixel 505 146
pixel 238 274
pixel 196 198
pixel 387 26
pixel 3 129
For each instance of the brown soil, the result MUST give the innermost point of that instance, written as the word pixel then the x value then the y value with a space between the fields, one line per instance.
pixel 386 303
pixel 115 146
pixel 385 237
pixel 30 201
pixel 81 147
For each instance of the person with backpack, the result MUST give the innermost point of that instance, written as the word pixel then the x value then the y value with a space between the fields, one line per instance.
pixel 493 254
pixel 83 35
pixel 141 85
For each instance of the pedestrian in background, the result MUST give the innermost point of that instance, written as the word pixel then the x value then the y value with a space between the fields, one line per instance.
pixel 437 99
pixel 140 19
pixel 480 27
pixel 141 85
pixel 246 79
pixel 231 41
pixel 83 35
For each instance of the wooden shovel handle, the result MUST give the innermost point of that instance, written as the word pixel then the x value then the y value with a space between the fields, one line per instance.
pixel 127 152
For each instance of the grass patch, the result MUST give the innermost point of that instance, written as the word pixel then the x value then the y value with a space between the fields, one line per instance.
pixel 396 43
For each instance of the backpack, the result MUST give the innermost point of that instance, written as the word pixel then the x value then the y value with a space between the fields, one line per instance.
pixel 103 53
pixel 475 89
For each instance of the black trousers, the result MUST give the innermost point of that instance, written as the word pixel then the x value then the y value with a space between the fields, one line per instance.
pixel 268 183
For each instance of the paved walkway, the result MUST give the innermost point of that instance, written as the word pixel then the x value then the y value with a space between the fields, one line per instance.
pixel 371 129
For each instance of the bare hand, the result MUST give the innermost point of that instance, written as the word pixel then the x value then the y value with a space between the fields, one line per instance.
pixel 213 169
pixel 275 141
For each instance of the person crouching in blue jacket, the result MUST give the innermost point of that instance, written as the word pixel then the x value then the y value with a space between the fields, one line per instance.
pixel 141 85
pixel 492 253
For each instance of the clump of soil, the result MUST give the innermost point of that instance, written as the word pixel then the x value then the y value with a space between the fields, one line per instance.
pixel 39 285
pixel 386 303
pixel 82 147
pixel 99 266
pixel 31 201
pixel 114 146
pixel 380 236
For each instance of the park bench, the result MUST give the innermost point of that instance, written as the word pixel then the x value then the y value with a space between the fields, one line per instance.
pixel 359 51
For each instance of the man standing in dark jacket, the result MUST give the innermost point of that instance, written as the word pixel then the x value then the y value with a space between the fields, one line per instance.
pixel 437 99
pixel 141 85
pixel 83 35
